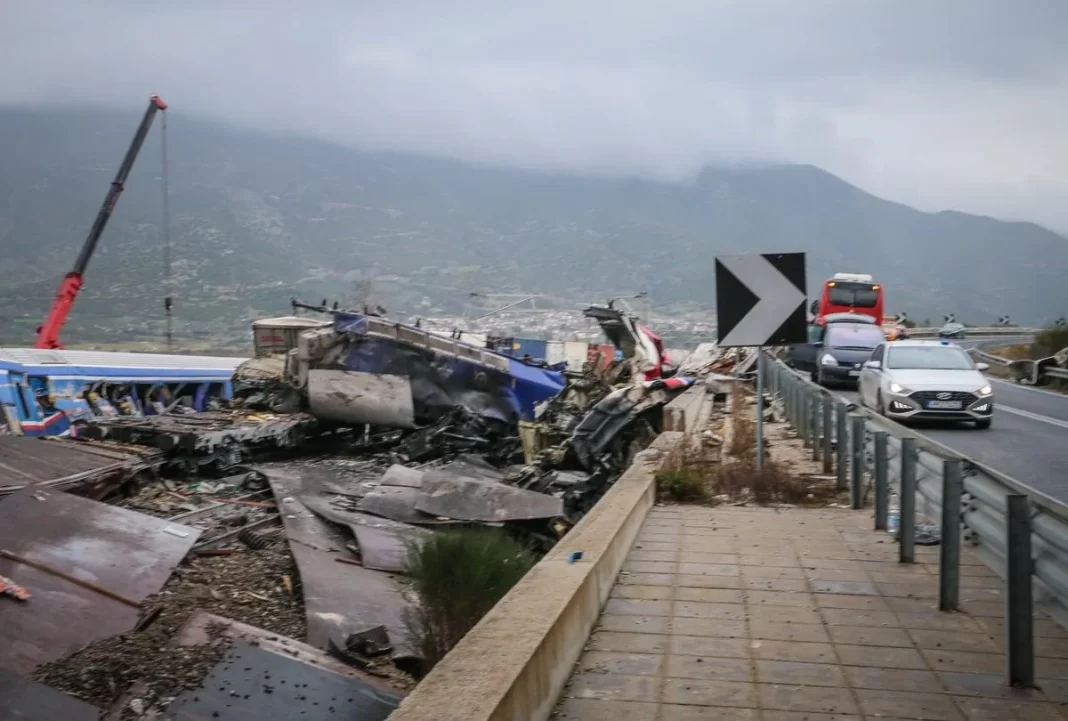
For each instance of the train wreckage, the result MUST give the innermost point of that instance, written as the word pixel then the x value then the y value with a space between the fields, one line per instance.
pixel 349 438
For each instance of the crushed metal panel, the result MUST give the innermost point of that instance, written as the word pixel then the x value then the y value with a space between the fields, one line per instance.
pixel 62 463
pixel 25 700
pixel 207 629
pixel 339 599
pixel 396 503
pixel 126 552
pixel 356 397
pixel 383 543
pixel 477 499
pixel 398 475
pixel 251 683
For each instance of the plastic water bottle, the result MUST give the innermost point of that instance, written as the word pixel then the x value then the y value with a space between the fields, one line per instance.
pixel 893 519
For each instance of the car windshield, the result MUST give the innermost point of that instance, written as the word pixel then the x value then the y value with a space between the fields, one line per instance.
pixel 928 357
pixel 861 336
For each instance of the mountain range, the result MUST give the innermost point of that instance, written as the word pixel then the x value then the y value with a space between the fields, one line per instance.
pixel 257 218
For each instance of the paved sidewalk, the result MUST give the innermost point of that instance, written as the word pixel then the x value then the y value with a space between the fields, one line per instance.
pixel 753 614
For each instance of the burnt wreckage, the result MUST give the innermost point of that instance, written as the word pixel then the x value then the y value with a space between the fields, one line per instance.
pixel 350 438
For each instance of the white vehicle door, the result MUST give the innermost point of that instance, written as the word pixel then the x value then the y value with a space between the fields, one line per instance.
pixel 869 378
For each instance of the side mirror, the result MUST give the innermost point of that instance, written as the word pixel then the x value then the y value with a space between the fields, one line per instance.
pixel 982 367
pixel 874 365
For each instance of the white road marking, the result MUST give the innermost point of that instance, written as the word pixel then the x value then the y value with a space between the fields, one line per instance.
pixel 1043 391
pixel 1032 416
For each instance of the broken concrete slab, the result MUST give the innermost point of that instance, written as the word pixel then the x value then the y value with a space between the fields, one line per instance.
pixel 339 599
pixel 88 566
pixel 25 700
pixel 383 543
pixel 478 499
pixel 253 683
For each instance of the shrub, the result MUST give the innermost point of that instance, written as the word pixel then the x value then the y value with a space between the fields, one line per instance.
pixel 682 485
pixel 1049 341
pixel 459 574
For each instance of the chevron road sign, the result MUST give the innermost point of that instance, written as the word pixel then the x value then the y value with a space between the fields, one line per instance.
pixel 760 300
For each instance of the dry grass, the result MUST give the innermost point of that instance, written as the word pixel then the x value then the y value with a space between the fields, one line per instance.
pixel 742 482
pixel 1013 352
pixel 743 439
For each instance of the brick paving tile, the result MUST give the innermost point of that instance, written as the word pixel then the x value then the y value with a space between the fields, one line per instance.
pixel 652 593
pixel 755 614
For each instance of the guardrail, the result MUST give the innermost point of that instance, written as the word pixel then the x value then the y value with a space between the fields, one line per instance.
pixel 869 452
pixel 1033 372
pixel 996 330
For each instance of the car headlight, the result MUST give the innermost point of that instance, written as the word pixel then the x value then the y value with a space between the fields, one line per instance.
pixel 985 391
pixel 897 388
pixel 829 360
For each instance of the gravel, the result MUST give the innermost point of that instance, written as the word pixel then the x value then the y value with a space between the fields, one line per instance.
pixel 247 586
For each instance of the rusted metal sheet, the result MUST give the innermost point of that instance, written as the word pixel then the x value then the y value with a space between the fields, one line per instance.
pixel 339 599
pixel 252 683
pixel 128 553
pixel 25 700
pixel 64 463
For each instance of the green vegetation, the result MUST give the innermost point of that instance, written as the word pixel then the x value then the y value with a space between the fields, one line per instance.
pixel 682 485
pixel 1050 340
pixel 459 574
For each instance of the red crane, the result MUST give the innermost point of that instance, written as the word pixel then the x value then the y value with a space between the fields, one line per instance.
pixel 48 332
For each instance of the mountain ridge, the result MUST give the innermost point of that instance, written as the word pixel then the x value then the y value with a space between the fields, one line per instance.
pixel 258 217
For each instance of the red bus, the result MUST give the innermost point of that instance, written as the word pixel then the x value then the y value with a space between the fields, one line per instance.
pixel 850 293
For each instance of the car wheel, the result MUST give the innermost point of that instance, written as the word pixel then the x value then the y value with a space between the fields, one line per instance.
pixel 984 423
pixel 879 407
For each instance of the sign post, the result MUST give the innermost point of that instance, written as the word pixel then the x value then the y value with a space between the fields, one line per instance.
pixel 760 301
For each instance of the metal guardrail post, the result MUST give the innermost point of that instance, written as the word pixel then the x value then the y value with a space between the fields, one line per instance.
pixel 841 439
pixel 907 547
pixel 814 402
pixel 882 485
pixel 856 493
pixel 827 430
pixel 1018 611
pixel 949 550
pixel 802 414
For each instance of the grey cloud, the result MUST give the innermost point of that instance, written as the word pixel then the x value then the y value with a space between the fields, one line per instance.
pixel 949 103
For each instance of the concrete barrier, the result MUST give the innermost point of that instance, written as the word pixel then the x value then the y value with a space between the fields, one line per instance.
pixel 683 414
pixel 513 665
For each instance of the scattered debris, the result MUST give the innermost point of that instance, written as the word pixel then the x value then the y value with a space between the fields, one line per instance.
pixel 101 672
pixel 88 469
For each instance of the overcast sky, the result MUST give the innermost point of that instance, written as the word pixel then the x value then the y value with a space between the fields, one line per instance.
pixel 936 103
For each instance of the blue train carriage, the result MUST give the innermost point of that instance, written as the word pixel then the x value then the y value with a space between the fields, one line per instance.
pixel 46 392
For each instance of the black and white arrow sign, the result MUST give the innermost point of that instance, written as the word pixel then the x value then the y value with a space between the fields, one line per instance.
pixel 760 299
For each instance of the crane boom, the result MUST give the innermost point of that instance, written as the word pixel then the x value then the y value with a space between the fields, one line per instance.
pixel 48 332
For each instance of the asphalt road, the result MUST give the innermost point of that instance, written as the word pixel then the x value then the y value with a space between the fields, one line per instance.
pixel 1028 439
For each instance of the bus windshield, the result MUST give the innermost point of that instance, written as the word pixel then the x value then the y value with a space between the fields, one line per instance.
pixel 853 295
